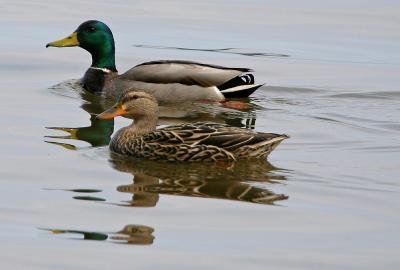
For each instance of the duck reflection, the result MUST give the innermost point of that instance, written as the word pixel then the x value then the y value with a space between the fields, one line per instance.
pixel 242 181
pixel 235 112
pixel 99 132
pixel 130 234
pixel 134 234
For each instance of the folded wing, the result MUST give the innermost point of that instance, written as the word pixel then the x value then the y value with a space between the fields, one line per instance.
pixel 183 72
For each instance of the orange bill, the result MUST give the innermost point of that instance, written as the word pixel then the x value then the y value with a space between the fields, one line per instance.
pixel 115 111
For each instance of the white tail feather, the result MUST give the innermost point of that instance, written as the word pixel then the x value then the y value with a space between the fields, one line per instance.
pixel 240 88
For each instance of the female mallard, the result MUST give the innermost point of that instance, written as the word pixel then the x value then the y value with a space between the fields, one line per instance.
pixel 167 80
pixel 188 142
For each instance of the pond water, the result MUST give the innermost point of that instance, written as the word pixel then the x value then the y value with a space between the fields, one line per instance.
pixel 326 199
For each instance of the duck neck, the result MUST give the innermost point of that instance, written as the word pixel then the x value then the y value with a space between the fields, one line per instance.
pixel 104 57
pixel 141 126
pixel 144 124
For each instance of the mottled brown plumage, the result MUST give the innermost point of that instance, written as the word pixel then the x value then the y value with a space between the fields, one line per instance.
pixel 188 142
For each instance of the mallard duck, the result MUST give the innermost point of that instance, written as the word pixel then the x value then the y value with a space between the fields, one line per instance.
pixel 199 141
pixel 167 80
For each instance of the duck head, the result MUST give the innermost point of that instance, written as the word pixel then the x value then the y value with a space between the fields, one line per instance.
pixel 136 105
pixel 96 38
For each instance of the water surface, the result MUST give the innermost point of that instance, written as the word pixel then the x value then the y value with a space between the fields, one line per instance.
pixel 326 199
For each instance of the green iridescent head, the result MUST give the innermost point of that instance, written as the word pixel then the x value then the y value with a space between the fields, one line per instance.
pixel 97 39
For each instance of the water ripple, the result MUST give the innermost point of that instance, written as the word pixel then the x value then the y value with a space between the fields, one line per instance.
pixel 238 51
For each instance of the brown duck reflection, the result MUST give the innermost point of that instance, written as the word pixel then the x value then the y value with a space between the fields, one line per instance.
pixel 99 132
pixel 130 234
pixel 242 181
pixel 134 234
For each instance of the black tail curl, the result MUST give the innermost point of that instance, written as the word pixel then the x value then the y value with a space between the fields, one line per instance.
pixel 239 80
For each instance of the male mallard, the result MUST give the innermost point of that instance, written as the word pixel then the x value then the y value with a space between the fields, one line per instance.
pixel 188 142
pixel 167 80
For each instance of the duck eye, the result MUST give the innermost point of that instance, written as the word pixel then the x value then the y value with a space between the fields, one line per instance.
pixel 91 29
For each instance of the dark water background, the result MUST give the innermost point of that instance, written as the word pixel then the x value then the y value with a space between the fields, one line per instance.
pixel 327 199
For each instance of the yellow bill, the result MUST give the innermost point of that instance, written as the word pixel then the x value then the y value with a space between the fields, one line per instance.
pixel 70 41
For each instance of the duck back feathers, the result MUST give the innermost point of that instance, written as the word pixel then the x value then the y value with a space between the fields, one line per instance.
pixel 172 81
pixel 182 72
pixel 199 142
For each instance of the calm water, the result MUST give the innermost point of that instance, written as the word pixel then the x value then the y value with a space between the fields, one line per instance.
pixel 327 198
